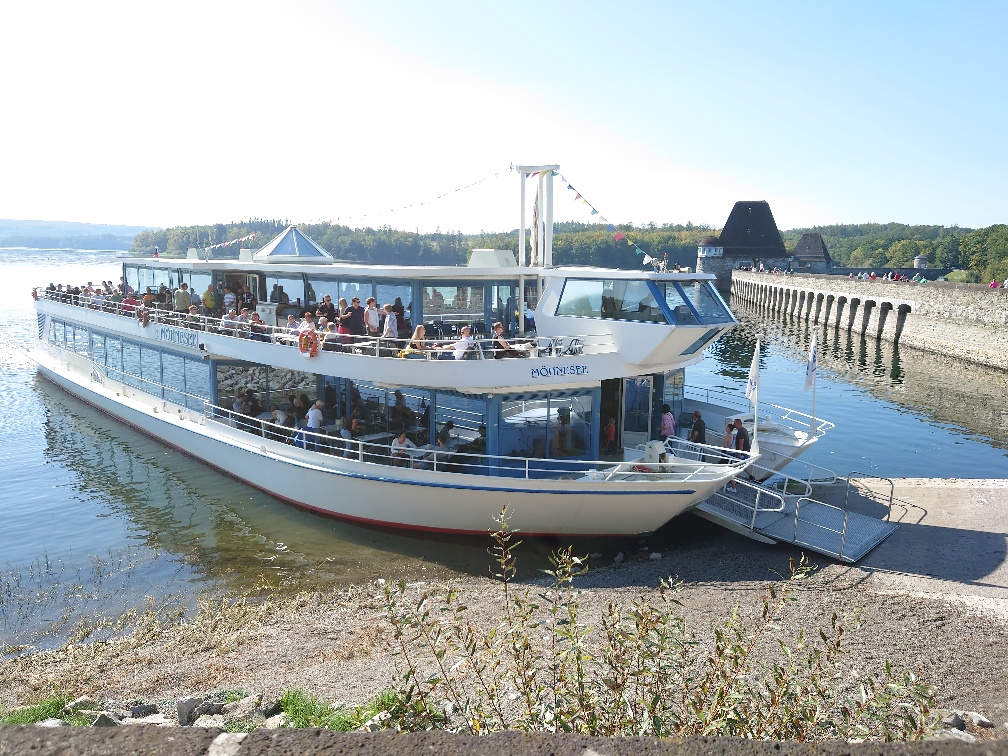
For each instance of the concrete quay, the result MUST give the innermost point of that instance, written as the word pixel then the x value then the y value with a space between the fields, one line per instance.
pixel 155 742
pixel 963 322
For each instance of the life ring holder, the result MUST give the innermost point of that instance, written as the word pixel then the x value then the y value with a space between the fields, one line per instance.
pixel 308 343
pixel 143 317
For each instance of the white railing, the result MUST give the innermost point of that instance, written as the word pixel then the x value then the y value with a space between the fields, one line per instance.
pixel 788 418
pixel 330 341
pixel 332 442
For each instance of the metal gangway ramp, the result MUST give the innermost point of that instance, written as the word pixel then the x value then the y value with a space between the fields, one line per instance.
pixel 783 511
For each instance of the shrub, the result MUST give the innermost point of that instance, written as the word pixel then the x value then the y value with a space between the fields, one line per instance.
pixel 639 672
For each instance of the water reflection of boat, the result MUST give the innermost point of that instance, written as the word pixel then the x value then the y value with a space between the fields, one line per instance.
pixel 525 432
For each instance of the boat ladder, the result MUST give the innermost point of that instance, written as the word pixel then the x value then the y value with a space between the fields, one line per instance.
pixel 785 512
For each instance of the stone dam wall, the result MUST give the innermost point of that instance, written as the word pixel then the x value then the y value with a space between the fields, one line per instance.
pixel 961 321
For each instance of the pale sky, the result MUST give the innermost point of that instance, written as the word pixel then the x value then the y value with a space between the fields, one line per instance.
pixel 357 111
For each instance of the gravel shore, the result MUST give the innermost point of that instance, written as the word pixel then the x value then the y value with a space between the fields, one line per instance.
pixel 933 598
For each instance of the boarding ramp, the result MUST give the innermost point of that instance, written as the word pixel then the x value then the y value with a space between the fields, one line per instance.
pixel 782 510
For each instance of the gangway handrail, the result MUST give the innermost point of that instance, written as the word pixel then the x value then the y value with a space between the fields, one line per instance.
pixel 842 534
pixel 862 476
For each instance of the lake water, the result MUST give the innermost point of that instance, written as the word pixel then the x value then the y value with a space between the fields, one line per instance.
pixel 97 516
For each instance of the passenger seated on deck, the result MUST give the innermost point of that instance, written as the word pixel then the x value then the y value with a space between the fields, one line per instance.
pixel 438 454
pixel 461 349
pixel 501 347
pixel 400 450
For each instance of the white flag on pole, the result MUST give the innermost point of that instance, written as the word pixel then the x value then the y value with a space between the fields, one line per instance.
pixel 752 388
pixel 812 366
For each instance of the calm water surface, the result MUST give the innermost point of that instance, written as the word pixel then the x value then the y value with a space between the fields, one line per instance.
pixel 92 503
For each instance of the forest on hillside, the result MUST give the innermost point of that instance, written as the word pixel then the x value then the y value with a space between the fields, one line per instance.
pixel 982 253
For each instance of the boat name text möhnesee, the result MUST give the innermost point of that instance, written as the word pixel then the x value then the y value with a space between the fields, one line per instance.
pixel 180 336
pixel 554 371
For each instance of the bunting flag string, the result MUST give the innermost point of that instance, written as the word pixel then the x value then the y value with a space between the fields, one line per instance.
pixel 412 205
pixel 658 263
pixel 248 237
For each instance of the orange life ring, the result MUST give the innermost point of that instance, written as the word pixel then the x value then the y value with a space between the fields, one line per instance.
pixel 35 294
pixel 308 343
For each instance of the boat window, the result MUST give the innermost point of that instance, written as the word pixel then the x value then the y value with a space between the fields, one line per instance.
pixel 682 313
pixel 633 300
pixel 150 370
pixel 133 278
pixel 400 296
pixel 81 340
pixel 131 363
pixel 554 426
pixel 56 333
pixel 318 287
pixel 581 299
pixel 630 300
pixel 173 374
pixel 283 386
pixel 449 306
pixel 98 348
pixel 708 303
pixel 197 383
pixel 466 414
pixel 113 355
pixel 198 282
pixel 360 289
pixel 503 307
pixel 285 289
pixel 703 341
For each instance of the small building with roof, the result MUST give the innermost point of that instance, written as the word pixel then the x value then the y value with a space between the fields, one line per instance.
pixel 810 255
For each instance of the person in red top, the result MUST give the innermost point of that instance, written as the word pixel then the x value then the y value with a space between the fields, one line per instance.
pixel 130 303
pixel 610 436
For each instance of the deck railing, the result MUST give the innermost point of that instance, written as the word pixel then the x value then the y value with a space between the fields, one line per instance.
pixel 702 466
pixel 330 341
pixel 787 417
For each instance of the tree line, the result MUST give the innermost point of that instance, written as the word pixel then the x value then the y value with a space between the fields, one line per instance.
pixel 983 252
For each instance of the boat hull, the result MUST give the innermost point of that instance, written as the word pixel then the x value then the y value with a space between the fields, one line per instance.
pixel 379 494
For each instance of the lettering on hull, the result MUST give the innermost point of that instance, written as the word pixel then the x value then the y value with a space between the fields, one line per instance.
pixel 556 371
pixel 180 336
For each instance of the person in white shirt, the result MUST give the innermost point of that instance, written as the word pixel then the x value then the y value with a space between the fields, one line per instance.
pixel 313 422
pixel 308 324
pixel 372 318
pixel 459 348
pixel 400 450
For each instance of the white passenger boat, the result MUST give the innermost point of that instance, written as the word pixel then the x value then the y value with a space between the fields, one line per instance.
pixel 487 430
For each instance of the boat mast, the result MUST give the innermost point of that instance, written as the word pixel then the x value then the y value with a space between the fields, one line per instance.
pixel 544 241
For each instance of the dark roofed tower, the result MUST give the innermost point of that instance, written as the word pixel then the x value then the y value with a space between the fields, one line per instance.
pixel 750 233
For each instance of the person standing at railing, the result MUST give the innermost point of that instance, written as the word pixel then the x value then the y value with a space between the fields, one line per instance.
pixel 181 299
pixel 210 299
pixel 372 318
pixel 390 333
pixel 313 422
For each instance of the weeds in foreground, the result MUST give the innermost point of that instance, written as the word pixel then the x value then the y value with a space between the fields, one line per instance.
pixel 306 710
pixel 639 672
pixel 52 707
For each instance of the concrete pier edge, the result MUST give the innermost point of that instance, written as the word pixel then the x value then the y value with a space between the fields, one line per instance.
pixel 154 741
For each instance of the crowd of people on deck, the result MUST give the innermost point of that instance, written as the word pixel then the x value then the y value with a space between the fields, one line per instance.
pixel 339 327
